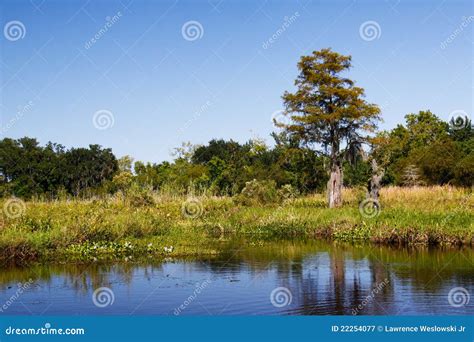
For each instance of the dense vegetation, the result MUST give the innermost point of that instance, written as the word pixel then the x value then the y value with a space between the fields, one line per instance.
pixel 425 150
pixel 114 228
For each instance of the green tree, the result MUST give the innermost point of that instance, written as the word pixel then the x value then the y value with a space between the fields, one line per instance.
pixel 329 111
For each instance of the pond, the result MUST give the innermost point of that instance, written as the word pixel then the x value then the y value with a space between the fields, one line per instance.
pixel 278 278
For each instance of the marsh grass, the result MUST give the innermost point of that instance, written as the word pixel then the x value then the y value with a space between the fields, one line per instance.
pixel 116 228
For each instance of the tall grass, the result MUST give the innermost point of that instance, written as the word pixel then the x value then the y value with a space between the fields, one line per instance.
pixel 107 227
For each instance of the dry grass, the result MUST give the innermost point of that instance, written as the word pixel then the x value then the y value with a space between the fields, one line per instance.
pixel 423 215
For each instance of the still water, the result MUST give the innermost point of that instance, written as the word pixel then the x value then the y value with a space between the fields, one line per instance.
pixel 284 278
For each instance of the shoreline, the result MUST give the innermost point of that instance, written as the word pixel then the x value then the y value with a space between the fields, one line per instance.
pixel 430 217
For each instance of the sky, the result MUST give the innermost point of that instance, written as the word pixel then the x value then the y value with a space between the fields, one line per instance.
pixel 141 77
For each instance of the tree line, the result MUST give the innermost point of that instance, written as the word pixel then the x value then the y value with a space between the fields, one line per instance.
pixel 423 151
pixel 330 140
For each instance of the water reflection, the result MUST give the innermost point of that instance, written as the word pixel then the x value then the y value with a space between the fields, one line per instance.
pixel 322 278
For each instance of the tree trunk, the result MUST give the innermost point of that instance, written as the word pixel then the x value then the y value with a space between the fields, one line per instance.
pixel 375 181
pixel 335 186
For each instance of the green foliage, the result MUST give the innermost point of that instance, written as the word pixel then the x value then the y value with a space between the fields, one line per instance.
pixel 288 192
pixel 464 171
pixel 327 108
pixel 258 193
pixel 138 196
pixel 122 181
pixel 28 169
pixel 428 150
pixel 111 228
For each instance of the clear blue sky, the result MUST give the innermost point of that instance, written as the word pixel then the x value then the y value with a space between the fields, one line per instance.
pixel 163 89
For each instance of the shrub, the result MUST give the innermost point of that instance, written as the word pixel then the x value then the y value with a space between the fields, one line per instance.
pixel 138 196
pixel 258 192
pixel 288 192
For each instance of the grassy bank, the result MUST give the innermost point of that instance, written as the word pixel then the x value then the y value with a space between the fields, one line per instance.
pixel 113 228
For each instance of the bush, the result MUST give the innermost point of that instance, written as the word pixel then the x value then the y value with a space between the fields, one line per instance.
pixel 258 192
pixel 138 196
pixel 288 192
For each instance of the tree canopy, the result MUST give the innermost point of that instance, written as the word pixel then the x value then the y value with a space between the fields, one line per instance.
pixel 328 110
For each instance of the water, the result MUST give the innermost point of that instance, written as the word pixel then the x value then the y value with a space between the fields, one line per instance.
pixel 315 278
